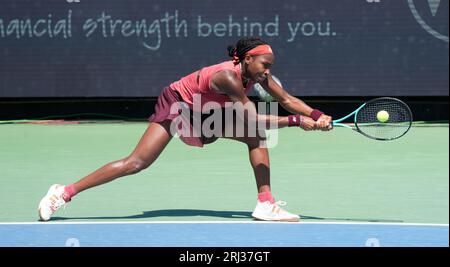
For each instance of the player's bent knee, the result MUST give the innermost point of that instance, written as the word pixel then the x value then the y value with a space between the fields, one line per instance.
pixel 134 165
pixel 255 142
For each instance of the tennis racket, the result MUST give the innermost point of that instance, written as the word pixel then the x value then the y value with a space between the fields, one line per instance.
pixel 383 118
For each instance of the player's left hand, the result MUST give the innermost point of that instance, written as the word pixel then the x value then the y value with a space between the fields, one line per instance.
pixel 324 123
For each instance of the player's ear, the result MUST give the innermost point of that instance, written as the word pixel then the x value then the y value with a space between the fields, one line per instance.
pixel 248 59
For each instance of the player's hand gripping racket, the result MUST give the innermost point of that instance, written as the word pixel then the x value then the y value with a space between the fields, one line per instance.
pixel 383 118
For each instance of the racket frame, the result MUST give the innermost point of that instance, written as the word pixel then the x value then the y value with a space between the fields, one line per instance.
pixel 338 122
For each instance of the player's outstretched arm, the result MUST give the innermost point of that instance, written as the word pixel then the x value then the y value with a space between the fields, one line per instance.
pixel 226 82
pixel 295 105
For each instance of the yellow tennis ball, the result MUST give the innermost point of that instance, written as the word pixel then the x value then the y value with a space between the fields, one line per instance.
pixel 383 116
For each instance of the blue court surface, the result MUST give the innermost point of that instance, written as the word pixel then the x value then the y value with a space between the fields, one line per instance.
pixel 222 234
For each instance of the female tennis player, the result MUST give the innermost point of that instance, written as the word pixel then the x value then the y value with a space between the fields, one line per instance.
pixel 224 83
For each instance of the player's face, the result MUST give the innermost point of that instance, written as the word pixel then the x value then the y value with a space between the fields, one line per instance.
pixel 258 67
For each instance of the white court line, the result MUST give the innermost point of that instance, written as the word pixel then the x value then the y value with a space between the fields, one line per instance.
pixel 224 222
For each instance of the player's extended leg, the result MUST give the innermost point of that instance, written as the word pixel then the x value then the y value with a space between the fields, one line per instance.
pixel 152 143
pixel 266 208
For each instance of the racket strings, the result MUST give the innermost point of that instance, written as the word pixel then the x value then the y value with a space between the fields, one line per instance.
pixel 397 124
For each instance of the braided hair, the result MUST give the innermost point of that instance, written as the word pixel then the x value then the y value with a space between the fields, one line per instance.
pixel 244 45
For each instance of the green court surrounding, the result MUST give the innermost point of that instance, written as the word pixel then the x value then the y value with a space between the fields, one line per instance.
pixel 324 176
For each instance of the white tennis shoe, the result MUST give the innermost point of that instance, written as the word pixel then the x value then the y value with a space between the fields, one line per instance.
pixel 267 211
pixel 51 202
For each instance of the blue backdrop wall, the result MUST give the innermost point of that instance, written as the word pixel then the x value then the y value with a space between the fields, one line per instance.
pixel 133 48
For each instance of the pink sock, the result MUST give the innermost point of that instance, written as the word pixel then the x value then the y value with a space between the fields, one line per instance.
pixel 266 196
pixel 69 192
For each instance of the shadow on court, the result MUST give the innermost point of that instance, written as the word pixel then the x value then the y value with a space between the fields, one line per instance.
pixel 213 213
pixel 172 213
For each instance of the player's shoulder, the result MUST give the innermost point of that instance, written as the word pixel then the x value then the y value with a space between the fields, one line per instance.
pixel 225 76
